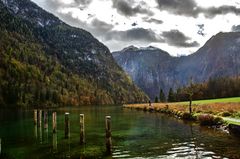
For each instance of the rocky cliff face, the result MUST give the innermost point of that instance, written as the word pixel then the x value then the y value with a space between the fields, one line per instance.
pixel 76 52
pixel 152 69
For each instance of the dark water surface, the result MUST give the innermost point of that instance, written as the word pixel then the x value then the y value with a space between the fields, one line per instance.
pixel 135 134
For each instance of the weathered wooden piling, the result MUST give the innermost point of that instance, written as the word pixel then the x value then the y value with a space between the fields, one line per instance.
pixel 35 117
pixel 108 135
pixel 82 129
pixel 67 126
pixel 39 118
pixel 45 119
pixel 54 122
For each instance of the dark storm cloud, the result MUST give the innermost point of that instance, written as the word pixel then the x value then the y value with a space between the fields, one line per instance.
pixel 212 11
pixel 236 28
pixel 179 7
pixel 136 34
pixel 152 20
pixel 101 26
pixel 178 39
pixel 96 27
pixel 190 8
pixel 128 8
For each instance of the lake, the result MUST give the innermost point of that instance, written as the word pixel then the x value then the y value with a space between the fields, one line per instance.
pixel 135 134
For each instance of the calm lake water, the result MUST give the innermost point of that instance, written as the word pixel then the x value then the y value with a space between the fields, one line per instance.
pixel 135 134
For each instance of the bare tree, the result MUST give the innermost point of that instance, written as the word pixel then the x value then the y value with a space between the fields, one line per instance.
pixel 190 92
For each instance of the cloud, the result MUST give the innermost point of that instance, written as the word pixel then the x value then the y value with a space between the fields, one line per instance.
pixel 128 8
pixel 134 24
pixel 152 20
pixel 178 39
pixel 56 4
pixel 101 26
pixel 190 8
pixel 236 28
pixel 135 34
pixel 179 7
pixel 222 10
pixel 201 29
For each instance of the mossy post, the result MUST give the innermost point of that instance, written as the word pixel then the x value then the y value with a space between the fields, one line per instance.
pixel 67 126
pixel 45 119
pixel 35 117
pixel 82 129
pixel 108 135
pixel 40 118
pixel 54 122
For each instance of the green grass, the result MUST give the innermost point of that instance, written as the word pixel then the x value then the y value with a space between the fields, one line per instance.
pixel 209 101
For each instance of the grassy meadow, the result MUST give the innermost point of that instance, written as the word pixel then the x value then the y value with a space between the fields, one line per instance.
pixel 223 107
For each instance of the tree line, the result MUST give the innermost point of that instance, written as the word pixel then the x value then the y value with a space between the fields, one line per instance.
pixel 221 87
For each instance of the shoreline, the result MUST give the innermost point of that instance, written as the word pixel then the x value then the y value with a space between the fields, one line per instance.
pixel 210 119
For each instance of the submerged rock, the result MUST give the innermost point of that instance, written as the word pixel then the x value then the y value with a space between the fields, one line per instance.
pixel 234 129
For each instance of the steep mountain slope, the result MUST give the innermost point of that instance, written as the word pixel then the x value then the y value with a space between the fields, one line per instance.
pixel 45 61
pixel 145 68
pixel 219 57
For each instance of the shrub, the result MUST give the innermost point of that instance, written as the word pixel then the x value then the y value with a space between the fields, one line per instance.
pixel 218 121
pixel 226 114
pixel 145 109
pixel 209 120
pixel 187 116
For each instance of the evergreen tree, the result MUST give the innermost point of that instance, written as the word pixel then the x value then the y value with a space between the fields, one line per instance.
pixel 162 96
pixel 171 95
pixel 156 99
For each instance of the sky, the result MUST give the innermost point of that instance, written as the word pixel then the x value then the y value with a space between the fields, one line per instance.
pixel 179 27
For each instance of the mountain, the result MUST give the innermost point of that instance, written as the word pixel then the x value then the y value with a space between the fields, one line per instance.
pixel 152 68
pixel 47 62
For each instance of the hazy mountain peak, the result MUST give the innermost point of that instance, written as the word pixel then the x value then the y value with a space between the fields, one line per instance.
pixel 130 48
pixel 152 70
pixel 149 48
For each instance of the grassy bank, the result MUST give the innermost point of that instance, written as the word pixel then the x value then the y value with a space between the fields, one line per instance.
pixel 224 107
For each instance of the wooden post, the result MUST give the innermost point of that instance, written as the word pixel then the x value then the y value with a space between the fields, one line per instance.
pixel 45 119
pixel 108 134
pixel 35 117
pixel 82 129
pixel 54 122
pixel 67 126
pixel 39 118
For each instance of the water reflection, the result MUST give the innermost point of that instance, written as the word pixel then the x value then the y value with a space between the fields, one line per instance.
pixel 68 154
pixel 40 134
pixel 36 132
pixel 45 135
pixel 55 143
pixel 135 135
pixel 45 119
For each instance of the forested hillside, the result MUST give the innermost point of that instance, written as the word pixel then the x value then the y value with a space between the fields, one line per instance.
pixel 56 64
pixel 214 88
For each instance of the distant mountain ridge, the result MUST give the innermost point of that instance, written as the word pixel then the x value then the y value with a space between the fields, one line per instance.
pixel 67 63
pixel 155 69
